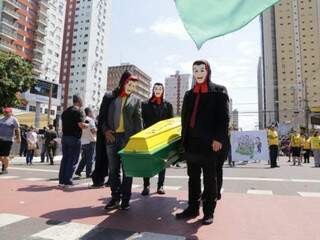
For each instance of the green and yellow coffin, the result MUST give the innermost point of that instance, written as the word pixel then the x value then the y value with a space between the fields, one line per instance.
pixel 153 149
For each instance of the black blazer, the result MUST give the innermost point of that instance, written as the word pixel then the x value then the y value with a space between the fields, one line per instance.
pixel 153 113
pixel 212 119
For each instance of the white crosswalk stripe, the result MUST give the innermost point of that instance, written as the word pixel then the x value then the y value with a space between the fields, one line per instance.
pixel 174 188
pixel 260 192
pixel 309 194
pixel 70 231
pixel 8 177
pixel 6 219
pixel 34 179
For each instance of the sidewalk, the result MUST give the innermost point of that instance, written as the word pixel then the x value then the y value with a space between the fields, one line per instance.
pixel 22 160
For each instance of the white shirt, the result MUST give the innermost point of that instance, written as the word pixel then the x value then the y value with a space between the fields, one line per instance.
pixel 87 136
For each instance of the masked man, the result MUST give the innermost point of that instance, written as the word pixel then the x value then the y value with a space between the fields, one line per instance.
pixel 153 111
pixel 205 121
pixel 123 120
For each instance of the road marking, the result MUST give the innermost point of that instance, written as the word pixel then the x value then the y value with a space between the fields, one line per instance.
pixel 8 177
pixel 70 231
pixel 309 194
pixel 6 219
pixel 172 187
pixel 256 179
pixel 34 179
pixel 134 186
pixel 154 236
pixel 260 192
pixel 34 169
pixel 305 180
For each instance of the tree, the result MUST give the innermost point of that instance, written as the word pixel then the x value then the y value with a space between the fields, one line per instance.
pixel 16 77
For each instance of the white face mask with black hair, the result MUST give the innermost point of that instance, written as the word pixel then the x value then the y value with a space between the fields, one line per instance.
pixel 200 73
pixel 158 91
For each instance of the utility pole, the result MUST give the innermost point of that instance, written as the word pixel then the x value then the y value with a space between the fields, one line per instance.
pixel 49 104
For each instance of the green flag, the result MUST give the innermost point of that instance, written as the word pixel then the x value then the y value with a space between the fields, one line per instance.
pixel 207 19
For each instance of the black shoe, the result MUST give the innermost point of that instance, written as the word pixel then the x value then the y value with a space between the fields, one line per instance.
pixel 188 213
pixel 161 191
pixel 146 191
pixel 112 204
pixel 107 183
pixel 219 197
pixel 78 174
pixel 97 186
pixel 207 220
pixel 124 205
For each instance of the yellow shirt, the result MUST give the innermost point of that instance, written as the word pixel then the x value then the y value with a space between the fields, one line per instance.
pixel 120 129
pixel 307 143
pixel 315 142
pixel 273 137
pixel 296 140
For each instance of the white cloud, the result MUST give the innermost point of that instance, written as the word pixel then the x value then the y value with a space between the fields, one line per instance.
pixel 170 27
pixel 139 30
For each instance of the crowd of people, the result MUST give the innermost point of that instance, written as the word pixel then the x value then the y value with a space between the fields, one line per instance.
pixel 205 140
pixel 298 146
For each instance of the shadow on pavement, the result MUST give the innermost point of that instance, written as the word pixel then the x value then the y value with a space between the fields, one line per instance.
pixel 147 214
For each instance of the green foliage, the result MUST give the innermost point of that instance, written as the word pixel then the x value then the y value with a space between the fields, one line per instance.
pixel 15 77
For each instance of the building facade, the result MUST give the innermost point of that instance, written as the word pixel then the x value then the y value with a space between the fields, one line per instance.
pixel 34 31
pixel 84 58
pixel 176 86
pixel 143 90
pixel 291 61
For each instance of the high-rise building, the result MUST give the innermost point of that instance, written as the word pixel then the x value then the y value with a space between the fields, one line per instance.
pixel 291 61
pixel 84 60
pixel 34 31
pixel 235 119
pixel 144 83
pixel 176 86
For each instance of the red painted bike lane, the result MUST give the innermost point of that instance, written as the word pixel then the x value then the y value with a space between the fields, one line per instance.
pixel 238 216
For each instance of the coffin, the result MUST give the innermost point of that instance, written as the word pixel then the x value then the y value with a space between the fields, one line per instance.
pixel 153 149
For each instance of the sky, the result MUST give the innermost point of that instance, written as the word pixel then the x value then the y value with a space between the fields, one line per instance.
pixel 150 35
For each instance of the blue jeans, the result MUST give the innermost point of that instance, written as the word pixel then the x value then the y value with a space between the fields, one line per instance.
pixel 119 190
pixel 29 156
pixel 86 158
pixel 70 155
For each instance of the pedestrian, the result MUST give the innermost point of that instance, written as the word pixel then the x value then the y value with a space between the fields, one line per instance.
pixel 123 120
pixel 295 144
pixel 32 140
pixel 72 125
pixel 315 146
pixel 50 143
pixel 154 110
pixel 88 143
pixel 306 149
pixel 205 121
pixel 42 144
pixel 23 144
pixel 9 131
pixel 273 141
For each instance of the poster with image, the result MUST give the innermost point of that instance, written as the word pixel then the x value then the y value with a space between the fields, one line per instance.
pixel 249 146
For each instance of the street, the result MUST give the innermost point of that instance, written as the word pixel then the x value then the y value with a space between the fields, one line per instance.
pixel 257 203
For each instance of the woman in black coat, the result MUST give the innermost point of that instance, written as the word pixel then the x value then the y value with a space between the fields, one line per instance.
pixel 153 111
pixel 205 121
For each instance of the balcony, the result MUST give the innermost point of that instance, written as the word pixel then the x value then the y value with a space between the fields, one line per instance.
pixel 43 21
pixel 11 12
pixel 37 58
pixel 13 3
pixel 44 3
pixel 7 47
pixel 41 31
pixel 39 49
pixel 11 24
pixel 40 40
pixel 8 32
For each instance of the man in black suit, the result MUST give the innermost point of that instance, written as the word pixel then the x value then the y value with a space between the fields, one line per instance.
pixel 205 121
pixel 122 120
pixel 154 110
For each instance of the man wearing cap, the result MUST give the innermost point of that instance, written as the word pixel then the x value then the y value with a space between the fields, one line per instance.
pixel 123 119
pixel 9 130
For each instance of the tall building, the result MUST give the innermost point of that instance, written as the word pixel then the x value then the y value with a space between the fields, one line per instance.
pixel 34 31
pixel 235 119
pixel 176 85
pixel 291 61
pixel 144 83
pixel 84 60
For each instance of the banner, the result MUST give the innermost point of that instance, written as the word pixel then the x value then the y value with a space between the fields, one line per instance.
pixel 207 19
pixel 249 146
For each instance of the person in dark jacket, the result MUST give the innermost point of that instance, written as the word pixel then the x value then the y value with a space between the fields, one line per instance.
pixel 123 119
pixel 205 121
pixel 154 110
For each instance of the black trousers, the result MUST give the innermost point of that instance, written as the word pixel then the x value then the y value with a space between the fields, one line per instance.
pixel 306 155
pixel 219 168
pixel 161 176
pixel 273 149
pixel 51 151
pixel 23 148
pixel 209 194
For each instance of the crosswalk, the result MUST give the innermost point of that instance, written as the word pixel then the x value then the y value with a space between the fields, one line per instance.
pixel 43 229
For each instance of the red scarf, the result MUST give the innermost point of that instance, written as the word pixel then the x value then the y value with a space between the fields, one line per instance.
pixel 157 100
pixel 203 88
pixel 123 94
